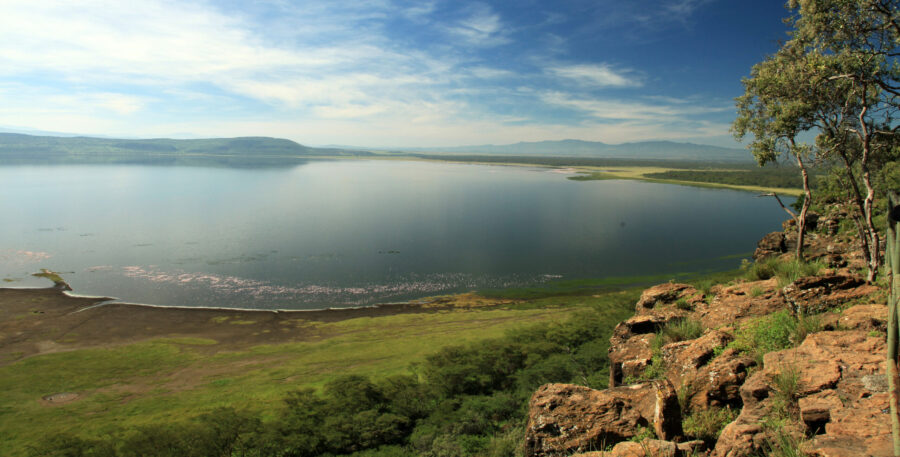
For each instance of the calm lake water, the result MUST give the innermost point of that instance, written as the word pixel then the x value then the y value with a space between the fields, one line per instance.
pixel 352 233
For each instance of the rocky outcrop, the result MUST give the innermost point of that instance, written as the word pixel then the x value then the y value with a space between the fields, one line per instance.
pixel 839 398
pixel 630 345
pixel 771 245
pixel 664 294
pixel 872 317
pixel 827 396
pixel 565 418
pixel 740 301
pixel 816 294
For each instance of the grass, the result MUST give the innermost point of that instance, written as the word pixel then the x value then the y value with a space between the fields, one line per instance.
pixel 678 330
pixel 782 445
pixel 787 271
pixel 674 331
pixel 774 332
pixel 786 382
pixel 707 424
pixel 656 174
pixel 173 379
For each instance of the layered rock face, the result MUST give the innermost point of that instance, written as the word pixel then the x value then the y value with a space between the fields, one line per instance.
pixel 826 396
pixel 566 418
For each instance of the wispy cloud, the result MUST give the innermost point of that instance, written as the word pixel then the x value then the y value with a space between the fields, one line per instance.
pixel 481 27
pixel 601 75
pixel 629 110
pixel 318 71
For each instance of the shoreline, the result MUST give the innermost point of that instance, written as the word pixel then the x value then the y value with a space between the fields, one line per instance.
pixel 37 321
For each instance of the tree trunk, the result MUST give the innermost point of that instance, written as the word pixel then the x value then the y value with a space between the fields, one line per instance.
pixel 801 220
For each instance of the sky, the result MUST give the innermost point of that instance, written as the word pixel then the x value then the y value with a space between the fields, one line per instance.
pixel 383 73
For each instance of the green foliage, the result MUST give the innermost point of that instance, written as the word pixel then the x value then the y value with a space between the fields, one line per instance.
pixel 774 332
pixel 643 433
pixel 787 384
pixel 792 270
pixel 783 177
pixel 678 330
pixel 465 400
pixel 782 445
pixel 683 304
pixel 787 271
pixel 707 424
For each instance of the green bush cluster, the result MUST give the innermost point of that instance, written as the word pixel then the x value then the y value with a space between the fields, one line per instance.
pixel 777 331
pixel 787 271
pixel 467 400
pixel 787 177
pixel 707 424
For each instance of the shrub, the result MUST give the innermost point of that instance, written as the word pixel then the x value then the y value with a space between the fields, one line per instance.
pixel 683 304
pixel 679 330
pixel 774 332
pixel 707 424
pixel 759 271
pixel 787 385
pixel 792 270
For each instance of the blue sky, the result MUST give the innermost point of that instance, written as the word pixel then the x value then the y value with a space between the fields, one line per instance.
pixel 383 73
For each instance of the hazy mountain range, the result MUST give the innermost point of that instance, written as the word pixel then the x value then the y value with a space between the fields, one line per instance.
pixel 648 150
pixel 22 148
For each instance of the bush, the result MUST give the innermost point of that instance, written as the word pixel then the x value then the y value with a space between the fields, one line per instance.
pixel 707 424
pixel 678 330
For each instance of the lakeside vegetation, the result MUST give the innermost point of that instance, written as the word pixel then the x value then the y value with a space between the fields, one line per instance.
pixel 426 379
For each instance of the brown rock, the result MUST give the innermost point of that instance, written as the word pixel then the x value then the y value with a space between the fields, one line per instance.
pixel 642 449
pixel 565 418
pixel 663 294
pixel 772 244
pixel 815 294
pixel 841 398
pixel 738 302
pixel 859 317
pixel 645 448
pixel 629 348
pixel 815 410
pixel 719 383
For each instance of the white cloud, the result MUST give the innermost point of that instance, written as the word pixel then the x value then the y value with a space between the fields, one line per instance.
pixel 483 27
pixel 601 75
pixel 627 110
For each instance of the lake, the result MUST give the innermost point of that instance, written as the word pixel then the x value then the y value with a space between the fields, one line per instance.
pixel 354 232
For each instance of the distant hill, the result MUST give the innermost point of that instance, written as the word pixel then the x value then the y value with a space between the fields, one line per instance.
pixel 645 150
pixel 248 151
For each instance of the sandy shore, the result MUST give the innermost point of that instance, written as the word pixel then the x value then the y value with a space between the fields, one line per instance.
pixel 39 321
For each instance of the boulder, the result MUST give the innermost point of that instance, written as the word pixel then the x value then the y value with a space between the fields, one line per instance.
pixel 630 344
pixel 841 398
pixel 663 294
pixel 719 383
pixel 859 317
pixel 815 294
pixel 740 301
pixel 685 358
pixel 771 245
pixel 565 418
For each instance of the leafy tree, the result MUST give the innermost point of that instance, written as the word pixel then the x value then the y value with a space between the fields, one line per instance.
pixel 779 103
pixel 837 77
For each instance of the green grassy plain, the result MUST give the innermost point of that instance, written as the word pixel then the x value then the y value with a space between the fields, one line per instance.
pixel 170 379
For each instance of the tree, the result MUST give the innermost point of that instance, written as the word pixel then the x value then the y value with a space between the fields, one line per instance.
pixel 779 103
pixel 838 78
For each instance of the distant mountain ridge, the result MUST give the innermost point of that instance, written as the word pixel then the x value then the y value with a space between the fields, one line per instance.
pixel 22 148
pixel 651 150
pixel 249 151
